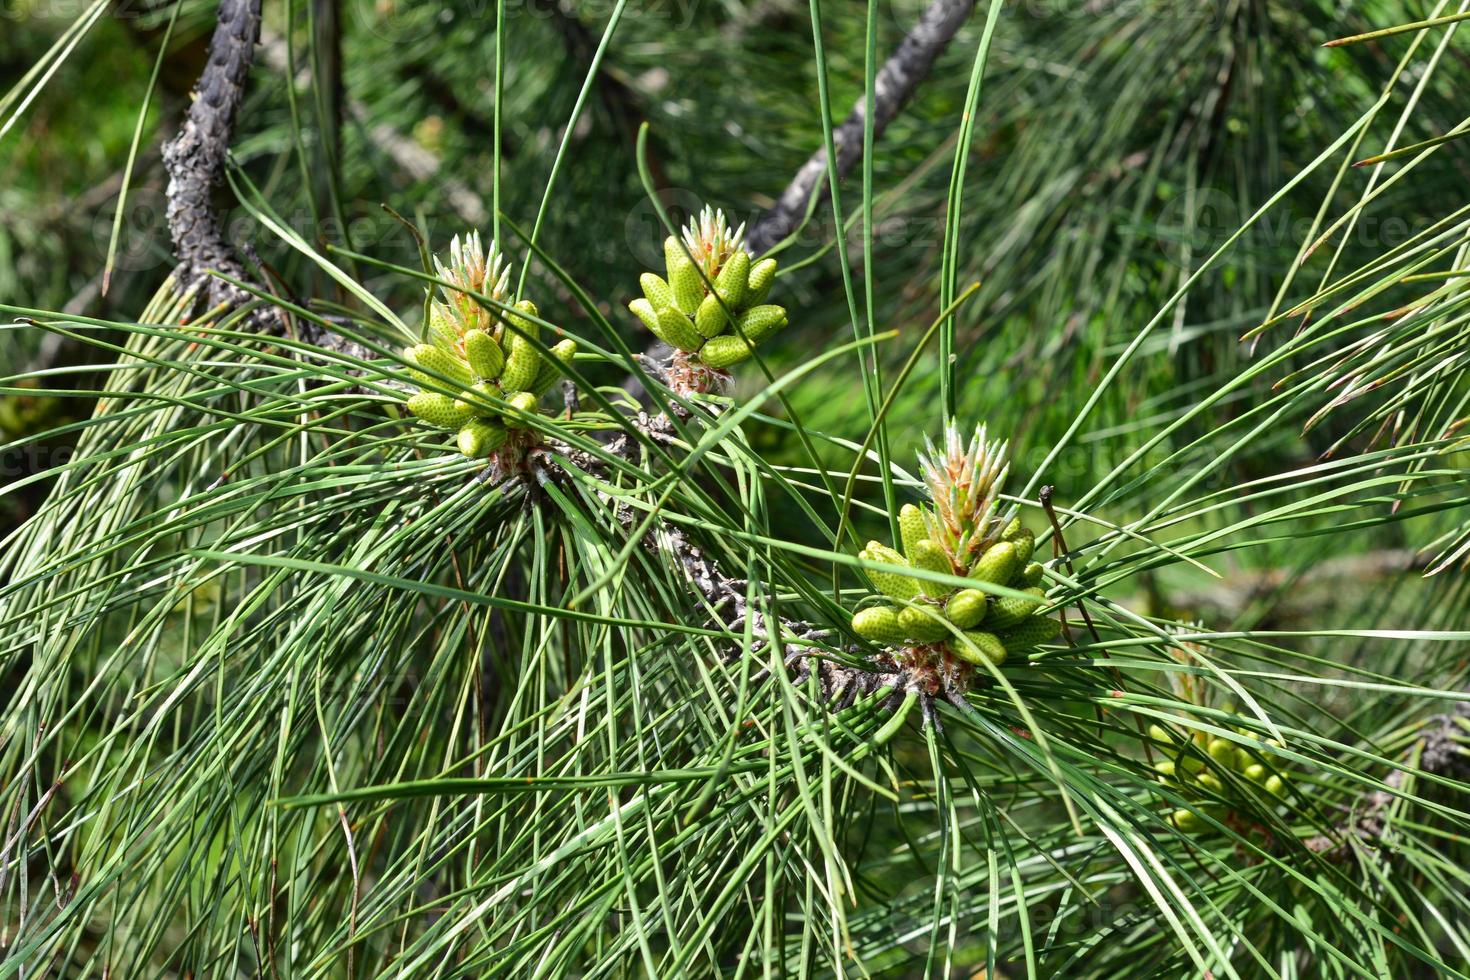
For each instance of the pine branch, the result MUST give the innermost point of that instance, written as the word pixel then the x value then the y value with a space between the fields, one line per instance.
pixel 727 600
pixel 893 87
pixel 195 159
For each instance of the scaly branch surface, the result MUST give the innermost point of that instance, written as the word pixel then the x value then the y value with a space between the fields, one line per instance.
pixel 727 601
pixel 195 159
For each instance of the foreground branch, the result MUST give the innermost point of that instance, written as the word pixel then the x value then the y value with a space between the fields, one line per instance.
pixel 726 600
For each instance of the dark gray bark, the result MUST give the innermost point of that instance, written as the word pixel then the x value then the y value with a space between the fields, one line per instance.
pixel 195 159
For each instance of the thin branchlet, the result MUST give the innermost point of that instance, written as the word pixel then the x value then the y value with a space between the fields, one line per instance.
pixel 726 600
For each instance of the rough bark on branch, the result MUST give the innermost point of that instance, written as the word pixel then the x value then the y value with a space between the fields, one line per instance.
pixel 195 159
pixel 725 597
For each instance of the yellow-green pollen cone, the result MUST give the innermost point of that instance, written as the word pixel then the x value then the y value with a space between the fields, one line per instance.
pixel 964 532
pixel 711 307
pixel 481 375
pixel 1218 775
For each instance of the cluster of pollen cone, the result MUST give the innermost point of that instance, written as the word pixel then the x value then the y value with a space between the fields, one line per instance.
pixel 712 308
pixel 1218 772
pixel 481 375
pixel 964 532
